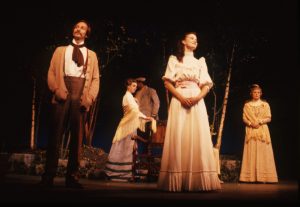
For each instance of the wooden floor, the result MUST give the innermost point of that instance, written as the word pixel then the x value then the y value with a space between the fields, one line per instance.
pixel 24 189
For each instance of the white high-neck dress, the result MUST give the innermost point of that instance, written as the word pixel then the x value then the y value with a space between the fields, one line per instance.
pixel 188 161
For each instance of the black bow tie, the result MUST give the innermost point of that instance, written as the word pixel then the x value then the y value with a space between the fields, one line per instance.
pixel 77 55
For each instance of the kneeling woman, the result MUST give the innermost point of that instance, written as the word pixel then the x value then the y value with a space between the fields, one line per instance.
pixel 119 164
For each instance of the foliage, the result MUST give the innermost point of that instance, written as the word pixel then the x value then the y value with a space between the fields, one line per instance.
pixel 230 168
pixel 92 163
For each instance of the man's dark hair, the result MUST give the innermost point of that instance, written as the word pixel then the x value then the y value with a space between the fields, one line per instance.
pixel 89 29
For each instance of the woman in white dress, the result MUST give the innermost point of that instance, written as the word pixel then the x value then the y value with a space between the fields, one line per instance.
pixel 188 161
pixel 258 163
pixel 119 163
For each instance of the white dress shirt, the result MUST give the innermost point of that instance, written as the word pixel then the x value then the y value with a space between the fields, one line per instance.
pixel 71 68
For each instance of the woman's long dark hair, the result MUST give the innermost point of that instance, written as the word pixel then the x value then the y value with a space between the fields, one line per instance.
pixel 179 53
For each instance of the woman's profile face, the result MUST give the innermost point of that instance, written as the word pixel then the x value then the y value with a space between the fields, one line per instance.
pixel 132 87
pixel 190 41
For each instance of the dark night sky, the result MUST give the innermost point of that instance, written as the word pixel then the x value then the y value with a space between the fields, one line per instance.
pixel 266 30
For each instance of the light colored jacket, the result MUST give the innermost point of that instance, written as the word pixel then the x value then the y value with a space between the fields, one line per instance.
pixel 56 75
pixel 148 101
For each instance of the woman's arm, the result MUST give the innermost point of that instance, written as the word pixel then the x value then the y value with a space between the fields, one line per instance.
pixel 247 119
pixel 201 95
pixel 185 102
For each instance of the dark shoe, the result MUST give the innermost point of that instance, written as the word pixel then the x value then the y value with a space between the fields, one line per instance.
pixel 74 185
pixel 46 182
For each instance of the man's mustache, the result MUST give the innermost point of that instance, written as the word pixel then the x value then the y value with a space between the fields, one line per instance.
pixel 77 32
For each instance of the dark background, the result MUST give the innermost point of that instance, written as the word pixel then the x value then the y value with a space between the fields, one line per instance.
pixel 266 33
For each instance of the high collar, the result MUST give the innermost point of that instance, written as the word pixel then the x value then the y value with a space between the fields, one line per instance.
pixel 188 53
pixel 255 103
pixel 74 42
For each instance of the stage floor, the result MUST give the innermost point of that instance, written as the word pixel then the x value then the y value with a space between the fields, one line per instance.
pixel 16 188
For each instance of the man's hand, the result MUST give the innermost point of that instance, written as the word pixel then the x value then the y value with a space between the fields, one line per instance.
pixel 60 95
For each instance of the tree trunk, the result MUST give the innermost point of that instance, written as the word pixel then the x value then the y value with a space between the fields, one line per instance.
pixel 32 138
pixel 212 126
pixel 220 131
pixel 90 121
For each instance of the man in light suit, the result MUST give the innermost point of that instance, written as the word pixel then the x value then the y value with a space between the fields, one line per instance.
pixel 73 79
pixel 149 103
pixel 147 98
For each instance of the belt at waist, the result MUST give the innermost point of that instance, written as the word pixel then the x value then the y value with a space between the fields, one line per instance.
pixel 186 84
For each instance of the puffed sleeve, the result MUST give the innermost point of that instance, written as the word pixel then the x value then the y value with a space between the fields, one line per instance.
pixel 125 101
pixel 129 101
pixel 204 76
pixel 130 104
pixel 170 70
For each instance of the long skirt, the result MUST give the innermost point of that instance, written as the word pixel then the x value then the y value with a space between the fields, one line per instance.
pixel 258 164
pixel 119 164
pixel 188 162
